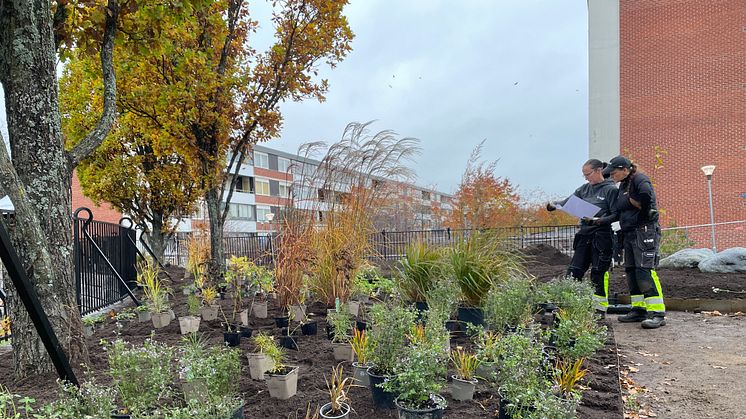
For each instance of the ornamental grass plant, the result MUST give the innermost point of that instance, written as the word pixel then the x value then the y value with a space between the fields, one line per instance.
pixel 419 269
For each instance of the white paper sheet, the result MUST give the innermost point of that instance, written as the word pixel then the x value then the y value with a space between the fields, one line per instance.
pixel 579 208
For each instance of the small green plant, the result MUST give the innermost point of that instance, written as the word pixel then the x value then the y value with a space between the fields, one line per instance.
pixel 361 346
pixel 341 322
pixel 142 308
pixel 193 305
pixel 574 296
pixel 578 337
pixel 217 367
pixel 155 292
pixel 487 345
pixel 465 363
pixel 91 400
pixel 142 374
pixel 92 320
pixel 419 376
pixel 388 337
pixel 266 344
pixel 567 374
pixel 338 387
pixel 13 406
pixel 509 304
pixel 124 316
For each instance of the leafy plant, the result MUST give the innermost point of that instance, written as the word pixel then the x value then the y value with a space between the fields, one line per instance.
pixel 388 337
pixel 520 368
pixel 217 366
pixel 155 293
pixel 91 400
pixel 360 345
pixel 509 304
pixel 418 375
pixel 193 305
pixel 142 374
pixel 571 295
pixel 338 387
pixel 91 320
pixel 487 345
pixel 465 363
pixel 418 271
pixel 209 295
pixel 12 409
pixel 198 247
pixel 341 322
pixel 567 374
pixel 578 337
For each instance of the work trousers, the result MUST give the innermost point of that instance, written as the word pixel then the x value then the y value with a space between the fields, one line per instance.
pixel 593 250
pixel 641 256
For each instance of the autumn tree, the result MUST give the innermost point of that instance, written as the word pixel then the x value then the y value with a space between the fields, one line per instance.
pixel 483 200
pixel 197 77
pixel 39 175
pixel 140 169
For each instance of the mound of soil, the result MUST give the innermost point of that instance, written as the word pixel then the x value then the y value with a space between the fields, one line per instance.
pixel 315 360
pixel 544 254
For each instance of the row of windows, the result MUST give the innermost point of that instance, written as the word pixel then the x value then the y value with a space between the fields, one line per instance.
pixel 250 212
pixel 266 187
pixel 271 162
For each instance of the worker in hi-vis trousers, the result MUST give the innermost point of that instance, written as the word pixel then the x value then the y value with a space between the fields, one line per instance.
pixel 637 213
pixel 593 244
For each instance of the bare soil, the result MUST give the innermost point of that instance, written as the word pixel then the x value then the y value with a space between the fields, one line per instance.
pixel 315 358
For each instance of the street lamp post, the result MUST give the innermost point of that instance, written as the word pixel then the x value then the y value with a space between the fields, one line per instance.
pixel 707 170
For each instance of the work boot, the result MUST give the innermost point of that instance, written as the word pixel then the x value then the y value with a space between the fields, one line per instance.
pixel 654 321
pixel 635 315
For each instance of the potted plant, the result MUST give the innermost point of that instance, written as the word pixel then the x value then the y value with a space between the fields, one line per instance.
pixel 417 273
pixel 420 375
pixel 209 309
pixel 155 293
pixel 89 324
pixel 261 284
pixel 208 374
pixel 508 305
pixel 486 344
pixel 338 386
pixel 282 380
pixel 143 313
pixel 361 347
pixel 388 341
pixel 341 323
pixel 464 381
pixel 190 323
pixel 261 360
pixel 567 375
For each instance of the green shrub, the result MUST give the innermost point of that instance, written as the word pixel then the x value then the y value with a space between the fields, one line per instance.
pixel 142 374
pixel 388 336
pixel 509 304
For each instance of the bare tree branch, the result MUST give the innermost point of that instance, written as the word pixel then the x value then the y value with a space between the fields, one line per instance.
pixel 91 141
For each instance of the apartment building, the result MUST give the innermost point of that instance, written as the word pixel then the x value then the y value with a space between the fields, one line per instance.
pixel 266 182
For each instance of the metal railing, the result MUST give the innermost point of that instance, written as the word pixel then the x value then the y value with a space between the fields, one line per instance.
pixel 387 245
pixel 105 270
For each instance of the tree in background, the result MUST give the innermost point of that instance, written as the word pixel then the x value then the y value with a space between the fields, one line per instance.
pixel 195 76
pixel 483 200
pixel 139 169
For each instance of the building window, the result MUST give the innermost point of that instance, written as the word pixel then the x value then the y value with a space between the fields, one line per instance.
pixel 284 190
pixel 241 212
pixel 262 187
pixel 283 164
pixel 426 195
pixel 261 213
pixel 261 160
pixel 245 184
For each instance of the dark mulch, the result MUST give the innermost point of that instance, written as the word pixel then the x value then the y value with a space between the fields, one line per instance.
pixel 684 283
pixel 315 360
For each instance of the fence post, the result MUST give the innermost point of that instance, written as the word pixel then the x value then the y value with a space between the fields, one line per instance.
pixel 385 255
pixel 77 263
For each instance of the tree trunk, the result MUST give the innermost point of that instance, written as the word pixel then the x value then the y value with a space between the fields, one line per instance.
pixel 27 72
pixel 217 257
pixel 156 238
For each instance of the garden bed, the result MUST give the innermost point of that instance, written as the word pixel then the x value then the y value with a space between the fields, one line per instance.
pixel 315 359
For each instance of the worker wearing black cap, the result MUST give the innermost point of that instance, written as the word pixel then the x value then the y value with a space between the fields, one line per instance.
pixel 637 213
pixel 593 244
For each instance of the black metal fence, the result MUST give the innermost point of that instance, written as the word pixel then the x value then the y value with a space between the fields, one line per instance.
pixel 387 245
pixel 97 285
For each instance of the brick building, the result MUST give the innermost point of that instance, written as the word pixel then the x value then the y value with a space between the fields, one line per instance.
pixel 668 88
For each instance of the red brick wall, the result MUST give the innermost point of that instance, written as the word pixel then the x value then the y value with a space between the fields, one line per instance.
pixel 101 213
pixel 683 89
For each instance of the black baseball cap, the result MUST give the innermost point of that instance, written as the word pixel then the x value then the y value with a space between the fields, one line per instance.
pixel 618 162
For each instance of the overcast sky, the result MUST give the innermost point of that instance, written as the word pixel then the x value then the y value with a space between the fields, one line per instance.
pixel 513 72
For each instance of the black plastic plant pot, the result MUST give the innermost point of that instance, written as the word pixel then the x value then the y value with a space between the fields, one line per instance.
pixel 238 414
pixel 232 338
pixel 381 399
pixel 471 315
pixel 245 331
pixel 330 332
pixel 420 306
pixel 288 342
pixel 546 307
pixel 361 325
pixel 282 321
pixel 453 326
pixel 310 328
pixel 424 413
pixel 115 414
